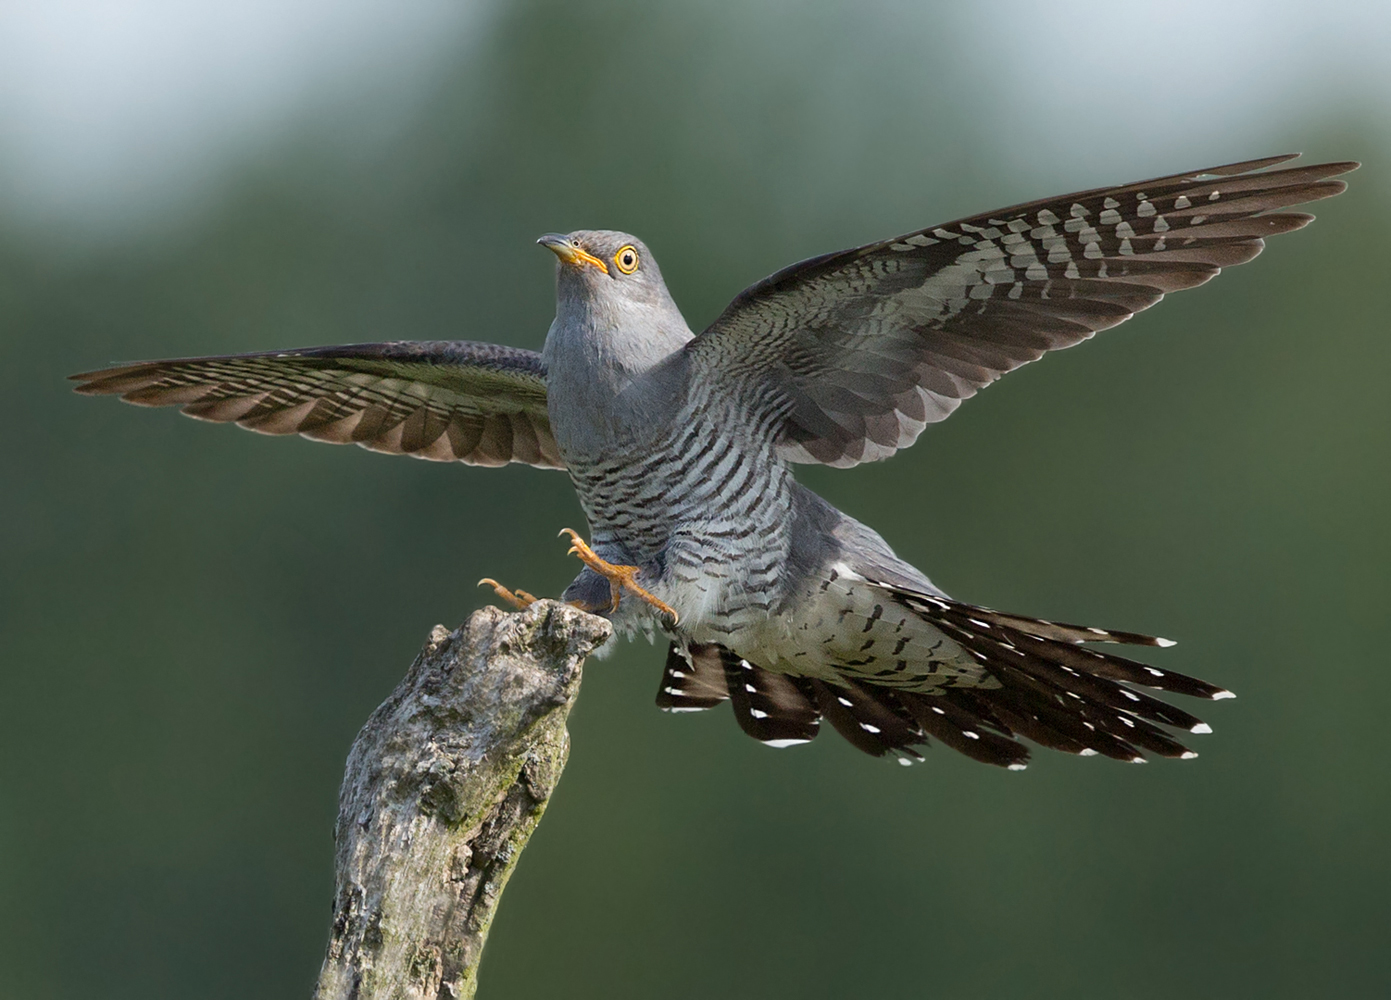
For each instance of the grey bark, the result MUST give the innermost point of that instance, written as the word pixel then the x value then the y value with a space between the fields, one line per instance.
pixel 444 786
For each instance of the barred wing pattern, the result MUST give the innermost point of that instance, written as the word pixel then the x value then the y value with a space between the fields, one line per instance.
pixel 863 348
pixel 448 401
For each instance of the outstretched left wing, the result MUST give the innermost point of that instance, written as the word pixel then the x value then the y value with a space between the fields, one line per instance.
pixel 855 352
pixel 448 401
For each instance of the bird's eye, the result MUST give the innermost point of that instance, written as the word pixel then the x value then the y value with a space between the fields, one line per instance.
pixel 627 259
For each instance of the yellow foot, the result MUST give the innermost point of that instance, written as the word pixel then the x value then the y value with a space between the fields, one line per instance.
pixel 620 578
pixel 517 598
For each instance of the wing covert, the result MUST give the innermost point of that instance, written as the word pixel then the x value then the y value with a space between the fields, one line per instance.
pixel 861 349
pixel 448 401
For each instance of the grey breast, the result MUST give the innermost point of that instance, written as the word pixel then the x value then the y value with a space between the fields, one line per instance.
pixel 705 497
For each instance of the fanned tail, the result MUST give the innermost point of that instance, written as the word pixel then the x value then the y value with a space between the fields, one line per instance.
pixel 1043 686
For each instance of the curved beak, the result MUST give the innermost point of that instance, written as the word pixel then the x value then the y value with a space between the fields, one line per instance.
pixel 569 253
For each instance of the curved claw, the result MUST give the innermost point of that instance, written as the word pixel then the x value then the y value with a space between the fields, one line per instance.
pixel 620 578
pixel 578 547
pixel 518 599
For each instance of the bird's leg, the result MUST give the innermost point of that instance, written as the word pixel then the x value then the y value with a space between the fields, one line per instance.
pixel 520 599
pixel 517 598
pixel 620 578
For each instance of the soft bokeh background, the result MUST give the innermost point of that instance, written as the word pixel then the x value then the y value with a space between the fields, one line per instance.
pixel 194 621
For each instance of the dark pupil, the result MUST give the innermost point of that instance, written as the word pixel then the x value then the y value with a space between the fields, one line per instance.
pixel 627 260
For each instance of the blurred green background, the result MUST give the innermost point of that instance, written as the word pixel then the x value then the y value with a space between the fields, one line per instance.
pixel 194 621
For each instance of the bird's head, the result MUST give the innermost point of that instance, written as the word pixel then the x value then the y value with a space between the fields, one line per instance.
pixel 611 308
pixel 598 268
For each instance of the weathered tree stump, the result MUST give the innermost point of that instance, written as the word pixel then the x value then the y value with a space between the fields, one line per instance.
pixel 443 787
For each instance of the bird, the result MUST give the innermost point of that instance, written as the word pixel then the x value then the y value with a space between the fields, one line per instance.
pixel 681 449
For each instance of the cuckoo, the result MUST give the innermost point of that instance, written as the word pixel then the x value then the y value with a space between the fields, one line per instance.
pixel 681 446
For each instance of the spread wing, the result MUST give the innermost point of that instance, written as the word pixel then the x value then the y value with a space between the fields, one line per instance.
pixel 857 351
pixel 449 401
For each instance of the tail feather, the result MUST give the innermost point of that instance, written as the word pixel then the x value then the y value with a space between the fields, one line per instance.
pixel 867 719
pixel 1054 681
pixel 1039 684
pixel 1052 702
pixel 979 734
pixel 1076 730
pixel 1057 631
pixel 693 679
pixel 1008 715
pixel 1060 644
pixel 1119 668
pixel 771 707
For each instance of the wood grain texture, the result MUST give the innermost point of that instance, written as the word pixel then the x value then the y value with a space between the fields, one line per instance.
pixel 443 787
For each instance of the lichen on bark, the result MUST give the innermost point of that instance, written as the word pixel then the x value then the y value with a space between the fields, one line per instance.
pixel 443 787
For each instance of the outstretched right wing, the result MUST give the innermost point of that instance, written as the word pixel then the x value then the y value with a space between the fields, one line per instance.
pixel 448 401
pixel 859 350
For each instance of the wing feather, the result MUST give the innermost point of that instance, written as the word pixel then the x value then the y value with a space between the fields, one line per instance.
pixel 859 350
pixel 446 401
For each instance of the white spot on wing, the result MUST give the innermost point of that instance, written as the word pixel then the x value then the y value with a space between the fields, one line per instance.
pixel 843 569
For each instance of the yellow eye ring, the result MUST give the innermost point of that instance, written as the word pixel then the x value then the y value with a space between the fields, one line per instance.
pixel 626 260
